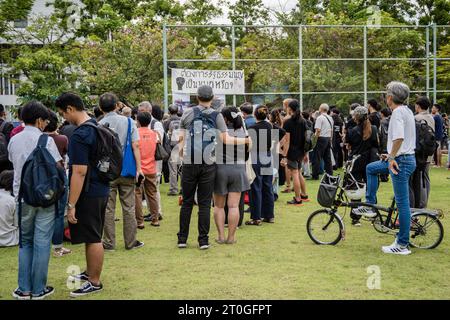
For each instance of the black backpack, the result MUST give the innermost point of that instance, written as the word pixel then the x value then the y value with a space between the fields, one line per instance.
pixel 201 140
pixel 425 142
pixel 108 155
pixel 42 181
pixel 165 139
pixel 3 144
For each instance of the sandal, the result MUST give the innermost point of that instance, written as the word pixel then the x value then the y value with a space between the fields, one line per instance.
pixel 287 190
pixel 155 224
pixel 271 220
pixel 253 223
pixel 231 242
pixel 220 241
pixel 61 252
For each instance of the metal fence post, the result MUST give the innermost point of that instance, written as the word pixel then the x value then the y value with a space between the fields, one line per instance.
pixel 365 65
pixel 233 54
pixel 434 63
pixel 300 65
pixel 427 47
pixel 166 93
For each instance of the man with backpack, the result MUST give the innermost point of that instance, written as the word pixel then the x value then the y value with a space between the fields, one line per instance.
pixel 125 185
pixel 419 184
pixel 200 125
pixel 5 132
pixel 172 128
pixel 94 160
pixel 26 151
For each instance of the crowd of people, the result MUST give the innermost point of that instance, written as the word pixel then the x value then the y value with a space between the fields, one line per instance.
pixel 210 155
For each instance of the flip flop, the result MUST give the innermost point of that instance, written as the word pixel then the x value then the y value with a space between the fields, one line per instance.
pixel 220 241
pixel 230 242
pixel 253 223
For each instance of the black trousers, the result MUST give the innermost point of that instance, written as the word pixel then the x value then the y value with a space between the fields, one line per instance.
pixel 322 150
pixel 200 178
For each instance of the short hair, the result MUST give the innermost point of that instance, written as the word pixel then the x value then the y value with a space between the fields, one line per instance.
pixel 423 102
pixel 305 114
pixel 34 110
pixel 374 104
pixel 386 112
pixel 246 108
pixel 173 109
pixel 53 124
pixel 335 110
pixel 69 99
pixel 437 106
pixel 398 91
pixel 147 105
pixel 324 107
pixel 7 180
pixel 2 109
pixel 108 102
pixel 144 118
pixel 261 112
pixel 157 112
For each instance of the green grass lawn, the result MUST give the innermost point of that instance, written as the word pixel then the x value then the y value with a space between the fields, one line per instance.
pixel 274 261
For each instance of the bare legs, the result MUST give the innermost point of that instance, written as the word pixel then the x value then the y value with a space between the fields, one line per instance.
pixel 299 183
pixel 233 215
pixel 94 261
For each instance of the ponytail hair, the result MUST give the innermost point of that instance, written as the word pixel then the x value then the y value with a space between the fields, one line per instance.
pixel 231 114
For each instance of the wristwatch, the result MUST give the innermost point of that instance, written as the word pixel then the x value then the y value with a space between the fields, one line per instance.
pixel 70 206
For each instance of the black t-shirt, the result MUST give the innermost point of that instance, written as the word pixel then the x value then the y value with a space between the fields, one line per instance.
pixel 361 146
pixel 81 148
pixel 375 119
pixel 261 134
pixel 296 130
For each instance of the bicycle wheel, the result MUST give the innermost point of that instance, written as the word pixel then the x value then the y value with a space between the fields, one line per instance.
pixel 378 223
pixel 325 227
pixel 426 232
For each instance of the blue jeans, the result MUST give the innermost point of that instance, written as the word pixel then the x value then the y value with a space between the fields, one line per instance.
pixel 400 182
pixel 262 198
pixel 58 234
pixel 37 226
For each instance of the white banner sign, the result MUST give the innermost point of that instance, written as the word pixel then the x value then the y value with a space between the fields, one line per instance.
pixel 226 82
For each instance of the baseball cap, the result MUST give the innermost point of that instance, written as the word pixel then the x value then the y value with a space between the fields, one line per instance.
pixel 205 92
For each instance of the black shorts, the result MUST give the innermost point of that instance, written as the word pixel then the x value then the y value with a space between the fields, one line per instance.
pixel 295 164
pixel 90 213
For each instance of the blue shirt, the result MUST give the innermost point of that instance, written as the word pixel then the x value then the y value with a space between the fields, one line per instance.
pixel 249 121
pixel 439 124
pixel 81 147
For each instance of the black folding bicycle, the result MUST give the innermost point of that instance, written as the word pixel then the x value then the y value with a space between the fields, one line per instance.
pixel 326 226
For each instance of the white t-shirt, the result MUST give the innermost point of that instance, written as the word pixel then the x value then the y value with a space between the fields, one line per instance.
pixel 325 126
pixel 402 126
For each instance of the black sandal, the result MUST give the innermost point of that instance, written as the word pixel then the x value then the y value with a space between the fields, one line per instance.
pixel 253 223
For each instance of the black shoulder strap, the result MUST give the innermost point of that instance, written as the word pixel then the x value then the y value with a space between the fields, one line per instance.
pixel 43 140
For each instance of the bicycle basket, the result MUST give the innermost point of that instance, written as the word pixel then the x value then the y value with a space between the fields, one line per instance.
pixel 328 188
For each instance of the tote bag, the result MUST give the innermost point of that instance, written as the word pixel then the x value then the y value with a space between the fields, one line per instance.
pixel 129 163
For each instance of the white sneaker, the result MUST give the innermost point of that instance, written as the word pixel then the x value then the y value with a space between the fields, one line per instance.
pixel 395 248
pixel 365 211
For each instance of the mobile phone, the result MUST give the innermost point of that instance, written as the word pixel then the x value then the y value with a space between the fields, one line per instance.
pixel 139 181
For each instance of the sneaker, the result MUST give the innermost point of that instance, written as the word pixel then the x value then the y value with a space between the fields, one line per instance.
pixel 304 198
pixel 395 248
pixel 148 218
pixel 109 249
pixel 61 252
pixel 204 246
pixel 356 223
pixel 47 291
pixel 138 244
pixel 365 211
pixel 79 277
pixel 19 295
pixel 182 245
pixel 87 288
pixel 294 201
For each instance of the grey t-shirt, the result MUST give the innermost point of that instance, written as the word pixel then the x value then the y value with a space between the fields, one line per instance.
pixel 119 124
pixel 186 121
